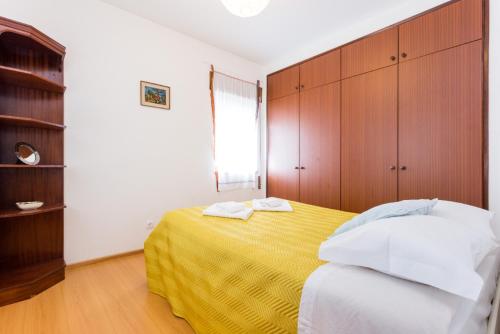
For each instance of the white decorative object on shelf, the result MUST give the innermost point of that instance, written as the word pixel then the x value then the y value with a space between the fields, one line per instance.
pixel 245 8
pixel 29 205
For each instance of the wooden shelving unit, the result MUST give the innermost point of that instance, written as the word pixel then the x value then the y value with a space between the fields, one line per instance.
pixel 32 111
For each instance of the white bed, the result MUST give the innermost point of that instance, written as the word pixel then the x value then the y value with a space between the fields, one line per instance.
pixel 341 299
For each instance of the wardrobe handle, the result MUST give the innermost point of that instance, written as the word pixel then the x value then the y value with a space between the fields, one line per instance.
pixel 393 58
pixel 296 87
pixel 404 55
pixel 393 168
pixel 403 168
pixel 302 167
pixel 302 86
pixel 296 167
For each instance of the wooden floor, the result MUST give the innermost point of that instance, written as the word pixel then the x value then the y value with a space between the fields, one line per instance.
pixel 105 297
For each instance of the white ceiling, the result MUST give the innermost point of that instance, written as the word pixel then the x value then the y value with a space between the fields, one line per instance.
pixel 281 27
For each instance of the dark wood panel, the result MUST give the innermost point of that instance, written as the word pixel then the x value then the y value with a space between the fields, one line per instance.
pixel 440 126
pixel 31 103
pixel 30 184
pixel 27 241
pixel 283 147
pixel 320 71
pixel 283 83
pixel 460 22
pixel 22 283
pixel 320 146
pixel 370 53
pixel 48 143
pixel 369 139
pixel 22 53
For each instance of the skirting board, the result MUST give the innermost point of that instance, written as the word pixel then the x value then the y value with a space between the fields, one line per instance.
pixel 104 258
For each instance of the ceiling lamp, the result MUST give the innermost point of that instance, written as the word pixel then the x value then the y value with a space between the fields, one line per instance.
pixel 245 8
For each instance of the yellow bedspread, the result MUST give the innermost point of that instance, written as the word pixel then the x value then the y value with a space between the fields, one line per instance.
pixel 231 276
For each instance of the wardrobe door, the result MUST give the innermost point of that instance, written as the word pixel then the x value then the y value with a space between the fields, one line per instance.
pixel 320 146
pixel 370 53
pixel 441 127
pixel 320 71
pixel 369 139
pixel 283 83
pixel 283 147
pixel 453 25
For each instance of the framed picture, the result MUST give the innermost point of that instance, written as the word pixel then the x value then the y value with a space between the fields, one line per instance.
pixel 154 95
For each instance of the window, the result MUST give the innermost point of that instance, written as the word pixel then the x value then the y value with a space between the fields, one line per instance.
pixel 235 112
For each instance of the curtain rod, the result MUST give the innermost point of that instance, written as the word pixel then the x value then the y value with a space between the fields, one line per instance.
pixel 230 76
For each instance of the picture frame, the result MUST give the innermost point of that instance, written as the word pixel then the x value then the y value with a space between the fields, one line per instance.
pixel 155 95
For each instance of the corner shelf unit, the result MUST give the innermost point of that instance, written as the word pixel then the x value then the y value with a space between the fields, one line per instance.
pixel 32 111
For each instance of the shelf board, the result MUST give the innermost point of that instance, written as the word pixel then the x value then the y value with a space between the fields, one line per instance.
pixel 30 122
pixel 29 166
pixel 28 79
pixel 14 213
pixel 12 278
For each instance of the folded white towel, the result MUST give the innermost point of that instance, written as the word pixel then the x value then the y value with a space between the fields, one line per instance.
pixel 231 207
pixel 214 210
pixel 271 204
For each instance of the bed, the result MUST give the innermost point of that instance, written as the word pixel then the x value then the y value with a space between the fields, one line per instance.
pixel 246 277
pixel 232 276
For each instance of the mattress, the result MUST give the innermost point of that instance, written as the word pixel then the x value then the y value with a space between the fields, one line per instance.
pixel 232 276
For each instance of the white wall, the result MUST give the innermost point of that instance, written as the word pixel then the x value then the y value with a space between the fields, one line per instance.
pixel 127 163
pixel 397 14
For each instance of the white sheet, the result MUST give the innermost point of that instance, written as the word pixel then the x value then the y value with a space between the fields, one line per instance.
pixel 471 317
pixel 345 299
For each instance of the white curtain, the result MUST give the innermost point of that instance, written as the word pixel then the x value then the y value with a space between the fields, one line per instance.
pixel 237 133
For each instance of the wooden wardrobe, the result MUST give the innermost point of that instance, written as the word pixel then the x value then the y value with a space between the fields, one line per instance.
pixel 399 114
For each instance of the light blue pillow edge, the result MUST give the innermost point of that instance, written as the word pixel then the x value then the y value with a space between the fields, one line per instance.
pixel 422 210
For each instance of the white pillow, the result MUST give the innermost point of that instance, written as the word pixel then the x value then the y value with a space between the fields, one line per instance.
pixel 425 249
pixel 465 214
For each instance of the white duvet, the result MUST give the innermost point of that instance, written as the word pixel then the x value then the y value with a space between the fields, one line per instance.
pixel 340 299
